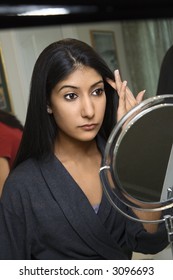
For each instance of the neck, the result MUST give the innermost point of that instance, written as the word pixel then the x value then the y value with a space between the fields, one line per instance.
pixel 66 149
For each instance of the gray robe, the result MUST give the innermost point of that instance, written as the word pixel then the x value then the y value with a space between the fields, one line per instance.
pixel 45 215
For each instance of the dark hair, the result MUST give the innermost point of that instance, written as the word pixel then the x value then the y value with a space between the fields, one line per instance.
pixel 53 65
pixel 10 120
pixel 165 83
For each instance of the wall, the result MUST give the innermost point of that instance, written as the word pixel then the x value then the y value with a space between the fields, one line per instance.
pixel 21 47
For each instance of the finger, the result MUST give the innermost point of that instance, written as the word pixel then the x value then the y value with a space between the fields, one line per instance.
pixel 111 83
pixel 132 101
pixel 122 101
pixel 140 96
pixel 118 79
pixel 130 94
pixel 122 94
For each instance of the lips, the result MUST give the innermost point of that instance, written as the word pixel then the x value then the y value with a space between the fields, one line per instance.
pixel 88 127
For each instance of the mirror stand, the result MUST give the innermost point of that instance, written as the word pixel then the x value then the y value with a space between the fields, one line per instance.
pixel 169 226
pixel 169 221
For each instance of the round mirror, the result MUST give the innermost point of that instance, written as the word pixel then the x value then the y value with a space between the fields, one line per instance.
pixel 138 162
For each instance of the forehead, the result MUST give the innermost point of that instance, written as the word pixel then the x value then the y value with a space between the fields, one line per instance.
pixel 82 73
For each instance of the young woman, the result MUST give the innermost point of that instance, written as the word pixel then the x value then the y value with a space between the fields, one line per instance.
pixel 53 206
pixel 10 136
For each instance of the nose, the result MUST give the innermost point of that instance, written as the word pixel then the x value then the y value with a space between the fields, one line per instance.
pixel 87 107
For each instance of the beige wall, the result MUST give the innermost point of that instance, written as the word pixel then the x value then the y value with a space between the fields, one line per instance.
pixel 21 47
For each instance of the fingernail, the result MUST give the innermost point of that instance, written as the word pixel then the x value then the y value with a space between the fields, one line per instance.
pixel 116 71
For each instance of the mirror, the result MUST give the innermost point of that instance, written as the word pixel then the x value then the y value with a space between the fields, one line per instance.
pixel 138 147
pixel 138 161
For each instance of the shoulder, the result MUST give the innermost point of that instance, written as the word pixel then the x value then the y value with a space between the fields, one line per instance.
pixel 28 175
pixel 22 176
pixel 26 168
pixel 24 184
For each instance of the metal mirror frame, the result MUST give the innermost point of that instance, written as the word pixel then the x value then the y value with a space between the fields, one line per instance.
pixel 107 170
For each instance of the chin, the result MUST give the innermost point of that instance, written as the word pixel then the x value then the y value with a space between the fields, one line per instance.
pixel 88 138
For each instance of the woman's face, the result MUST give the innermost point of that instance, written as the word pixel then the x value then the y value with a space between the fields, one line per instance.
pixel 78 104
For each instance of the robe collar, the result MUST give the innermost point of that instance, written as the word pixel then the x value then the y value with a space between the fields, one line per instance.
pixel 74 204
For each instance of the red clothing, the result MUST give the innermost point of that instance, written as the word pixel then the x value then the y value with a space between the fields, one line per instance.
pixel 9 142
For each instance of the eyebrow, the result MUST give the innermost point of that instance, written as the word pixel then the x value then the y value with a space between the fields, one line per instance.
pixel 74 87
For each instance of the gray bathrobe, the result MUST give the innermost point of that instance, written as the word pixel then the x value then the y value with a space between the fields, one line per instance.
pixel 44 215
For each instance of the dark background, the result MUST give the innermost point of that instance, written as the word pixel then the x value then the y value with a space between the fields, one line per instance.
pixel 87 11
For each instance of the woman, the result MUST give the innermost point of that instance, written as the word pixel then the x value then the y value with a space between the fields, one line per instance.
pixel 53 206
pixel 10 136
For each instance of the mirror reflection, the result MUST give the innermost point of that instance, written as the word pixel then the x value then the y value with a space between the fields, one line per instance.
pixel 138 157
pixel 144 155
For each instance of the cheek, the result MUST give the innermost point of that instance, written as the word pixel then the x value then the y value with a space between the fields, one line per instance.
pixel 64 115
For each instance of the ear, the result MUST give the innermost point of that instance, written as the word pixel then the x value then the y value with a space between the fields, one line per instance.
pixel 49 110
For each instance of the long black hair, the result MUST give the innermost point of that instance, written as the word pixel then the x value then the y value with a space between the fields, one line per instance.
pixel 10 120
pixel 54 64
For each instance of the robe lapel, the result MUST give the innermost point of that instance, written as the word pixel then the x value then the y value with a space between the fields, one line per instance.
pixel 78 211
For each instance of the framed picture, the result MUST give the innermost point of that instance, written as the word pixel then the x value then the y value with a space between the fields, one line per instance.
pixel 104 43
pixel 5 103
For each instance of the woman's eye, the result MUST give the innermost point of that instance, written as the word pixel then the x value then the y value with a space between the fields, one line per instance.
pixel 98 91
pixel 70 96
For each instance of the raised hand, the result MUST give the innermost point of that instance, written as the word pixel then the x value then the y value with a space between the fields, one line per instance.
pixel 126 98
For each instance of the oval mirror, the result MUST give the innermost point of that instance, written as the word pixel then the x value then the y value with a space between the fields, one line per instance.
pixel 138 162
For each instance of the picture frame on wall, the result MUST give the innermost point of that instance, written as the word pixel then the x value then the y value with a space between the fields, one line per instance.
pixel 104 43
pixel 5 102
